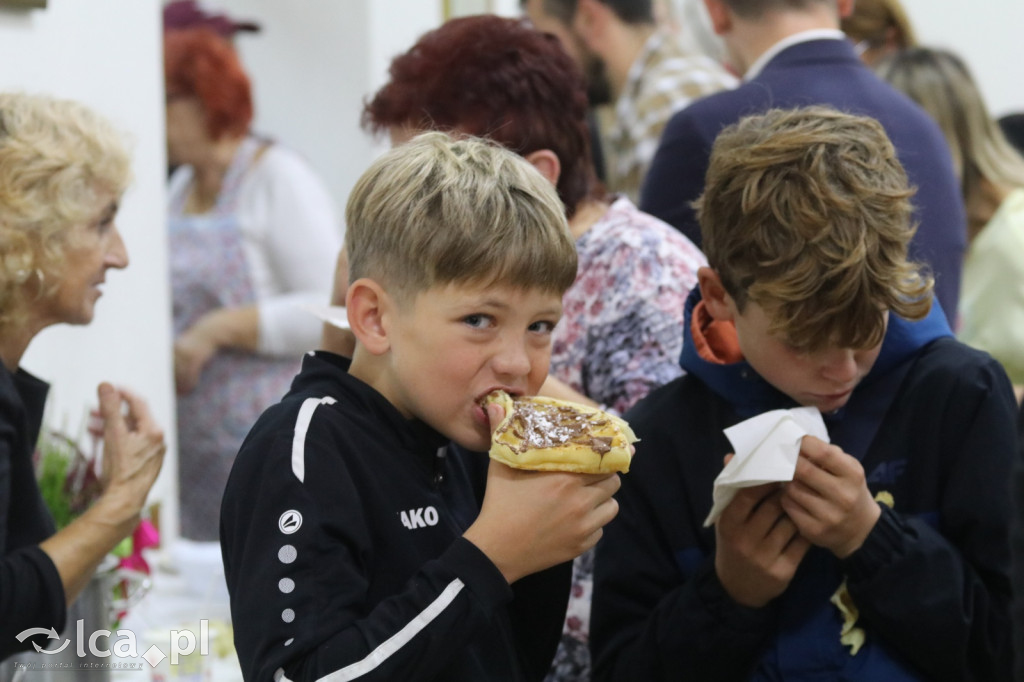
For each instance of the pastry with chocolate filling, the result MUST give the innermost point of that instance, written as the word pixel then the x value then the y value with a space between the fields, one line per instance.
pixel 546 434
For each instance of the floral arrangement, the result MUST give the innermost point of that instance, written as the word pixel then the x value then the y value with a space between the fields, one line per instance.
pixel 67 478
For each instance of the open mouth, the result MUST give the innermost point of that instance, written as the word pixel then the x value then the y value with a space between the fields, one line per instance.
pixel 482 400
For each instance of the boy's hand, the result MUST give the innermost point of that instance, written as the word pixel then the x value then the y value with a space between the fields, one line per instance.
pixel 758 546
pixel 532 520
pixel 829 500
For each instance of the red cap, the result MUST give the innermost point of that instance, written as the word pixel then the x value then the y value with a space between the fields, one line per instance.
pixel 188 14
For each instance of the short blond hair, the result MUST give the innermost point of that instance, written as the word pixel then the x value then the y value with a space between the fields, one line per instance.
pixel 57 157
pixel 807 213
pixel 439 210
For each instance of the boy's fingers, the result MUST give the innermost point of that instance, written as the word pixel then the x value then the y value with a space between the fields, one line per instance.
pixel 796 549
pixel 747 500
pixel 495 413
pixel 782 533
pixel 810 475
pixel 813 448
pixel 608 483
pixel 823 455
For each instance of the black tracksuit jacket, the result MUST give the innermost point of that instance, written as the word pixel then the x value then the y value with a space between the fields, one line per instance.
pixel 341 532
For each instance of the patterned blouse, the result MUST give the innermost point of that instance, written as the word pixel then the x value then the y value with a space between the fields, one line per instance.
pixel 622 324
pixel 620 337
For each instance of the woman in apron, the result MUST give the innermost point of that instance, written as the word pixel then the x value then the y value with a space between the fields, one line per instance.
pixel 253 236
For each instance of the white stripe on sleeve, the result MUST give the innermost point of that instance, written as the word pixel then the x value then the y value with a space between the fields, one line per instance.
pixel 309 405
pixel 399 639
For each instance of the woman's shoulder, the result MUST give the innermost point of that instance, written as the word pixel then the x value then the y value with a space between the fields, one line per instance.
pixel 628 238
pixel 626 225
pixel 288 172
pixel 275 159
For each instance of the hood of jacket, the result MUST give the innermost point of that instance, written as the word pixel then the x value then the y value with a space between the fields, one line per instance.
pixel 711 353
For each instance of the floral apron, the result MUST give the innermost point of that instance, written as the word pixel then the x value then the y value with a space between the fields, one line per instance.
pixel 209 271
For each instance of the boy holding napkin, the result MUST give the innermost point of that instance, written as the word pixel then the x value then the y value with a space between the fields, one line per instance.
pixel 886 557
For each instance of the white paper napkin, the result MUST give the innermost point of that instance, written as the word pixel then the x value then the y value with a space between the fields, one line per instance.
pixel 767 447
pixel 336 315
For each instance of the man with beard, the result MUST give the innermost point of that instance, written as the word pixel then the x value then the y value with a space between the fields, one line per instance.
pixel 628 61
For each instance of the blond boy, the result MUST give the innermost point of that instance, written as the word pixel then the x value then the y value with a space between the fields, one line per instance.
pixel 887 556
pixel 358 543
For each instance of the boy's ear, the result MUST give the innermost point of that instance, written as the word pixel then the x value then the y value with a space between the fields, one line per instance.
pixel 721 19
pixel 546 161
pixel 368 304
pixel 716 298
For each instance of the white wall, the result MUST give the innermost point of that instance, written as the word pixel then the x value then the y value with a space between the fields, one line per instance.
pixel 987 35
pixel 312 65
pixel 106 53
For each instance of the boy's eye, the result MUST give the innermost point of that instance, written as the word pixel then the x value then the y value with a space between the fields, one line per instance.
pixel 477 321
pixel 543 326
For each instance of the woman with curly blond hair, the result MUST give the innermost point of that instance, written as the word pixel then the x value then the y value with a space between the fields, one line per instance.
pixel 62 172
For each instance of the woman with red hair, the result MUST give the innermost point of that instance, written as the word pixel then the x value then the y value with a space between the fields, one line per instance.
pixel 253 234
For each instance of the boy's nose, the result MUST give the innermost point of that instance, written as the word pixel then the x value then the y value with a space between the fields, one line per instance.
pixel 840 365
pixel 512 359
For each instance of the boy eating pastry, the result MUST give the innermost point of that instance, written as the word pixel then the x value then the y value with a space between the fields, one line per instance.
pixel 357 544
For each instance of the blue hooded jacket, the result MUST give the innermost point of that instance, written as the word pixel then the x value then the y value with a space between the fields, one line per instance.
pixel 807 615
pixel 933 426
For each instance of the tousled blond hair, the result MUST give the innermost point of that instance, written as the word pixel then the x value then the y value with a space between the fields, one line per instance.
pixel 57 157
pixel 439 210
pixel 807 213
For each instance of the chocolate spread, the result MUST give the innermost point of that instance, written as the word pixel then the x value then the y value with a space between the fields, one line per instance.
pixel 539 425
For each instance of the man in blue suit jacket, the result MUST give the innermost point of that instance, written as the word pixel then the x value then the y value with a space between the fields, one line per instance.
pixel 791 53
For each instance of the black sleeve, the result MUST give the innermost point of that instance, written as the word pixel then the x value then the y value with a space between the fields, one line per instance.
pixel 652 620
pixel 649 624
pixel 299 602
pixel 31 592
pixel 940 596
pixel 31 596
pixel 1018 555
pixel 676 176
pixel 538 614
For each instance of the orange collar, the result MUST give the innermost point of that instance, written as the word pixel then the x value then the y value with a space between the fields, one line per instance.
pixel 716 341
